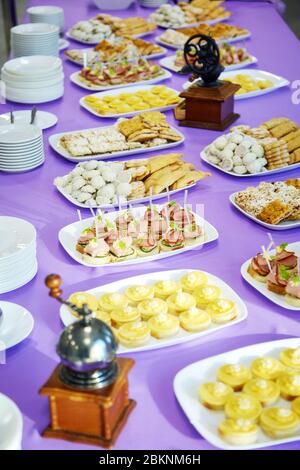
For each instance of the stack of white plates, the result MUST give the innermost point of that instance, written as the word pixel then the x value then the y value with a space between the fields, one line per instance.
pixel 21 148
pixel 11 424
pixel 152 3
pixel 47 14
pixel 18 263
pixel 33 79
pixel 34 39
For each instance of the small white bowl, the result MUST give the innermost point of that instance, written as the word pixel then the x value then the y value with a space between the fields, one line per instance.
pixel 113 4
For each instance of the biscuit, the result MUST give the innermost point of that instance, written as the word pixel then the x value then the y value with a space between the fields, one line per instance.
pixel 295 157
pixel 274 122
pixel 275 212
pixel 294 144
pixel 292 135
pixel 293 182
pixel 283 129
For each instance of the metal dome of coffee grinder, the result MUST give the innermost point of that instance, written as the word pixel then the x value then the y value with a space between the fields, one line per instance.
pixel 88 390
pixel 208 102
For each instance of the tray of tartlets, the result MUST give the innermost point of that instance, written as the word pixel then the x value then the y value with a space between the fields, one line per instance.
pixel 272 147
pixel 146 132
pixel 247 398
pixel 274 205
pixel 136 235
pixel 276 274
pixel 161 309
pixel 126 103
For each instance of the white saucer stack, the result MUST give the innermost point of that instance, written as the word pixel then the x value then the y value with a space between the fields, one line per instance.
pixel 21 148
pixel 18 263
pixel 47 14
pixel 33 79
pixel 34 39
pixel 152 3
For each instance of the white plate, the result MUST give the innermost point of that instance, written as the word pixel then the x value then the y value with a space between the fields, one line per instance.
pixel 33 66
pixel 68 237
pixel 160 41
pixel 15 236
pixel 294 166
pixel 168 63
pixel 54 141
pixel 194 25
pixel 32 29
pixel 75 78
pixel 262 286
pixel 11 424
pixel 182 336
pixel 187 381
pixel 43 119
pixel 20 282
pixel 133 89
pixel 63 44
pixel 93 42
pixel 16 325
pixel 18 133
pixel 285 225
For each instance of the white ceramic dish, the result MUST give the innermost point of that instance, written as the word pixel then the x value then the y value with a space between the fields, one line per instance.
pixel 261 287
pixel 68 237
pixel 93 42
pixel 18 133
pixel 168 63
pixel 43 119
pixel 133 89
pixel 187 381
pixel 194 25
pixel 16 325
pixel 33 66
pixel 32 29
pixel 75 78
pixel 63 44
pixel 54 141
pixel 15 235
pixel 11 424
pixel 285 225
pixel 227 40
pixel 182 336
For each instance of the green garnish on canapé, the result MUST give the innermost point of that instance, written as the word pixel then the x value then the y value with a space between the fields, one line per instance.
pixel 86 231
pixel 282 247
pixel 296 279
pixel 121 245
pixel 284 272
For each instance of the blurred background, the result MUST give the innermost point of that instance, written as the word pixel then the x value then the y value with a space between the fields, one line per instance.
pixel 291 16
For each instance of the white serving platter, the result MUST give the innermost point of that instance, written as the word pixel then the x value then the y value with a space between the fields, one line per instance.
pixel 205 421
pixel 294 166
pixel 182 336
pixel 93 42
pixel 54 141
pixel 75 78
pixel 194 25
pixel 17 324
pixel 262 286
pixel 132 90
pixel 11 424
pixel 160 41
pixel 285 225
pixel 68 237
pixel 63 44
pixel 168 63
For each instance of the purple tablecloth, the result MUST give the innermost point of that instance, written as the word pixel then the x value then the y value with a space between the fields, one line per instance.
pixel 158 421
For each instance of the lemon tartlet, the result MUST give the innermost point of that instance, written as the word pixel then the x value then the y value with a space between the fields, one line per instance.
pixel 214 395
pixel 291 358
pixel 112 301
pixel 139 293
pixel 150 307
pixel 80 298
pixel 266 368
pixel 133 334
pixel 266 391
pixel 206 294
pixel 163 325
pixel 289 384
pixel 222 310
pixel 242 405
pixel 191 281
pixel 180 302
pixel 296 406
pixel 125 315
pixel 194 319
pixel 238 431
pixel 235 375
pixel 279 422
pixel 164 289
pixel 103 316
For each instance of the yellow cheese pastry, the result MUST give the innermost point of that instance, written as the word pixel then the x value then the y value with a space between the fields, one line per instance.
pixel 164 289
pixel 296 406
pixel 266 368
pixel 112 301
pixel 222 310
pixel 192 280
pixel 235 375
pixel 241 405
pixel 291 358
pixel 133 334
pixel 266 391
pixel 279 422
pixel 289 384
pixel 139 293
pixel 206 294
pixel 149 307
pixel 163 325
pixel 214 395
pixel 103 316
pixel 180 302
pixel 239 431
pixel 194 319
pixel 80 298
pixel 125 315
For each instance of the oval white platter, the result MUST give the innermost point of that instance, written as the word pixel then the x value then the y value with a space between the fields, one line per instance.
pixel 182 336
pixel 17 324
pixel 93 42
pixel 75 78
pixel 133 89
pixel 294 166
pixel 285 225
pixel 160 41
pixel 11 424
pixel 54 141
pixel 194 25
pixel 68 237
pixel 168 63
pixel 63 44
pixel 262 286
pixel 205 421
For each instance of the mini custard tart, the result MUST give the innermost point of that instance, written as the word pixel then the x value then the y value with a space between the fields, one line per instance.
pixel 163 325
pixel 242 405
pixel 279 422
pixel 149 307
pixel 163 289
pixel 239 431
pixel 291 358
pixel 194 320
pixel 103 316
pixel 190 281
pixel 268 368
pixel 296 406
pixel 235 375
pixel 81 298
pixel 124 315
pixel 266 391
pixel 180 302
pixel 206 294
pixel 112 301
pixel 139 293
pixel 222 310
pixel 289 384
pixel 133 334
pixel 213 395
